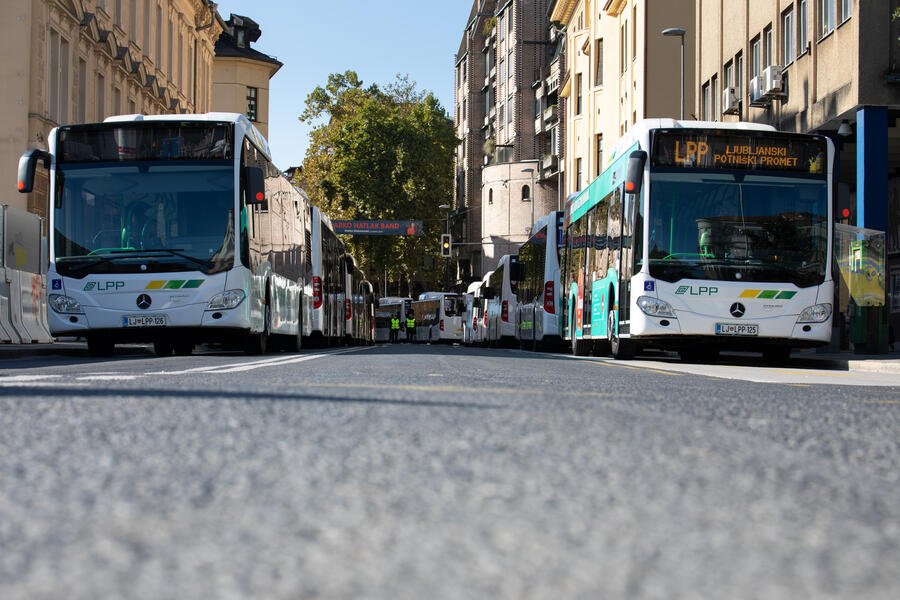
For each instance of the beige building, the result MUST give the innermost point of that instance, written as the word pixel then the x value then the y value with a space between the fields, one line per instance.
pixel 241 74
pixel 619 69
pixel 825 66
pixel 70 61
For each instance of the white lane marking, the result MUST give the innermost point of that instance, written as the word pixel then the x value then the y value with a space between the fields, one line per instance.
pixel 26 378
pixel 258 364
pixel 108 377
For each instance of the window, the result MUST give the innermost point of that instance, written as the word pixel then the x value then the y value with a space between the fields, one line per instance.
pixel 577 174
pixel 622 50
pixel 171 39
pixel 116 101
pixel 704 103
pixel 787 36
pixel 756 56
pixel 625 46
pixel 252 98
pixel 119 13
pixel 502 71
pixel 767 47
pixel 132 19
pixel 180 65
pixel 81 115
pixel 802 27
pixel 526 193
pixel 464 114
pixel 729 74
pixel 509 67
pixel 846 9
pixel 490 196
pixel 826 16
pixel 159 27
pixel 465 73
pixel 509 109
pixel 578 103
pixel 100 97
pixel 501 28
pixel 634 32
pixel 739 74
pixel 598 62
pixel 599 168
pixel 58 78
pixel 713 94
pixel 145 40
pixel 501 116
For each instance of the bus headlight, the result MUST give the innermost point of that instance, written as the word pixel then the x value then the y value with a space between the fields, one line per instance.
pixel 815 314
pixel 655 307
pixel 226 300
pixel 64 304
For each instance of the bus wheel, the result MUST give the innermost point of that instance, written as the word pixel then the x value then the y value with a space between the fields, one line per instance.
pixel 255 343
pixel 99 345
pixel 184 348
pixel 579 347
pixel 163 348
pixel 776 356
pixel 619 348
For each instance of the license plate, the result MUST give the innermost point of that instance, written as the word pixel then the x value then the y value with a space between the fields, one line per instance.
pixel 737 329
pixel 144 321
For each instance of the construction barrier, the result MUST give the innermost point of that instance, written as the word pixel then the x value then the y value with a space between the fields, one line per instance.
pixel 23 278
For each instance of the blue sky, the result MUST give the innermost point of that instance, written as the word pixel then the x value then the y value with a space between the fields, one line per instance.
pixel 375 38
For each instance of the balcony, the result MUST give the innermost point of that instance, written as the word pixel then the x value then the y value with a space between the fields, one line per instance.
pixel 538 124
pixel 549 165
pixel 551 113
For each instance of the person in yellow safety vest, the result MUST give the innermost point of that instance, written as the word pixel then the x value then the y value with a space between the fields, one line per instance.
pixel 395 328
pixel 410 327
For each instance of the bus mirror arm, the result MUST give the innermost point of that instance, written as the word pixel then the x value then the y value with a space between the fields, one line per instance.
pixel 254 182
pixel 27 166
pixel 634 173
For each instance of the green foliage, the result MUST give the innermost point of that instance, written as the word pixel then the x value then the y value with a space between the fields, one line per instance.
pixel 382 154
pixel 489 25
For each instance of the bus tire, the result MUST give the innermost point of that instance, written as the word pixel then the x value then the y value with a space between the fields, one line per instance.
pixel 100 345
pixel 579 347
pixel 619 349
pixel 184 348
pixel 256 343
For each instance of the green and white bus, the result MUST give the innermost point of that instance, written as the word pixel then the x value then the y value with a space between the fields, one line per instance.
pixel 699 237
pixel 172 229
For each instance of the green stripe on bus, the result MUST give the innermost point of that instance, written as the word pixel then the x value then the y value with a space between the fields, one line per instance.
pixel 174 284
pixel 786 295
pixel 193 283
pixel 768 294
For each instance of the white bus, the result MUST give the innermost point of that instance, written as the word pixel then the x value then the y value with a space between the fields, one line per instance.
pixel 326 323
pixel 172 229
pixel 439 317
pixel 538 293
pixel 502 306
pixel 703 236
pixel 359 305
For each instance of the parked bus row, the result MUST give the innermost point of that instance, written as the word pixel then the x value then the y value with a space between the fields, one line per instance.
pixel 697 237
pixel 178 229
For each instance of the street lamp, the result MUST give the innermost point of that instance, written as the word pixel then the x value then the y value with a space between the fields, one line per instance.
pixel 680 33
pixel 531 193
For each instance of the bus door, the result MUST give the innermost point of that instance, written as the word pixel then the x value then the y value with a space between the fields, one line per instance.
pixel 629 204
pixel 586 296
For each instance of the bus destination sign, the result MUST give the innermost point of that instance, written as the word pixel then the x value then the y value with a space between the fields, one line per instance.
pixel 718 150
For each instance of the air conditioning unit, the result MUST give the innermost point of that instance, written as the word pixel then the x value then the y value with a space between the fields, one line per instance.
pixel 757 97
pixel 730 105
pixel 773 84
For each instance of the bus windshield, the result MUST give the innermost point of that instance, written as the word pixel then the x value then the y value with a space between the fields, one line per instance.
pixel 737 226
pixel 142 216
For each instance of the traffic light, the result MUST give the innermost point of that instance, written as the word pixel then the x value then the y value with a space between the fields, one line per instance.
pixel 446 244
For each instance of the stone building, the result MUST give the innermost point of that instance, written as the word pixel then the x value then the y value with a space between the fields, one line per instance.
pixel 241 73
pixel 619 69
pixel 823 66
pixel 502 59
pixel 69 61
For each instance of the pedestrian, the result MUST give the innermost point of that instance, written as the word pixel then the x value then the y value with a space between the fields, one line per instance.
pixel 410 327
pixel 395 328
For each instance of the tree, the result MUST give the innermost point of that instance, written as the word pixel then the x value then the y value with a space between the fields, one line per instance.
pixel 382 154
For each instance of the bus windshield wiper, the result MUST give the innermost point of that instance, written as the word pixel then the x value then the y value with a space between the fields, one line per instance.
pixel 179 252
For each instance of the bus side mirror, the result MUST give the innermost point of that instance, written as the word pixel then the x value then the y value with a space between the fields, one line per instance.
pixel 27 165
pixel 634 172
pixel 255 184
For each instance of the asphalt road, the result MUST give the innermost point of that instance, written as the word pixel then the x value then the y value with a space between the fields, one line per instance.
pixel 444 472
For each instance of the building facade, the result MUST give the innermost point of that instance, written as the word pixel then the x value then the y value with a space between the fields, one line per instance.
pixel 501 62
pixel 824 66
pixel 241 73
pixel 620 69
pixel 84 60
